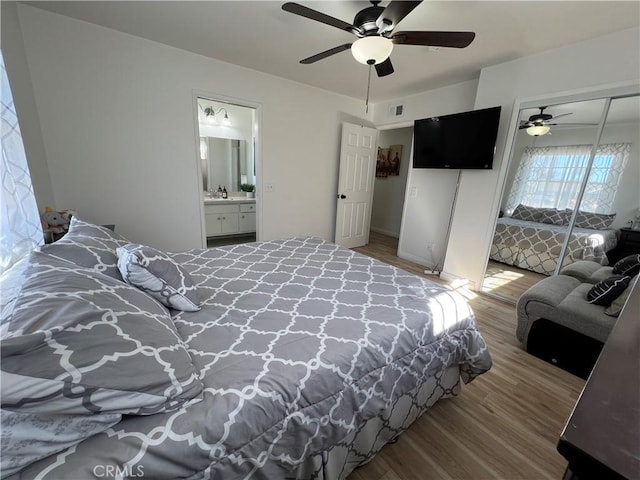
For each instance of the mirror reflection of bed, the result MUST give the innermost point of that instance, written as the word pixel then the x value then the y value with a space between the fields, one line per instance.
pixel 544 180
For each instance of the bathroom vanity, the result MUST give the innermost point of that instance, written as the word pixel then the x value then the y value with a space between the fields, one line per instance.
pixel 229 216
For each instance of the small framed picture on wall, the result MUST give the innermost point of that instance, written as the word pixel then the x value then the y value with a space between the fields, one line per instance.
pixel 383 162
pixel 395 154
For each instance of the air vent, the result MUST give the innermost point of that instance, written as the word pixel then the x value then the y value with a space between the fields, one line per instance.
pixel 396 110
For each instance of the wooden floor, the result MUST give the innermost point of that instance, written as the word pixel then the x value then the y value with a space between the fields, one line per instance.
pixel 504 425
pixel 508 282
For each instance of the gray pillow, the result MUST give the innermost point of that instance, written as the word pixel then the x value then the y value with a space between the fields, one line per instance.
pixel 594 221
pixel 79 342
pixel 153 272
pixel 524 212
pixel 89 246
pixel 28 437
pixel 553 216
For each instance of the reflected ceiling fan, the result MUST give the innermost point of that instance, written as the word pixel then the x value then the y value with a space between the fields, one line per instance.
pixel 374 28
pixel 541 123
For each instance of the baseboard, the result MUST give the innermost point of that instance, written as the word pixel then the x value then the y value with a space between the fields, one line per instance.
pixel 413 258
pixel 460 281
pixel 388 233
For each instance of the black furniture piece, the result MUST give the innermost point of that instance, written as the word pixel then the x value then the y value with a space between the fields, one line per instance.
pixel 628 244
pixel 601 439
pixel 563 347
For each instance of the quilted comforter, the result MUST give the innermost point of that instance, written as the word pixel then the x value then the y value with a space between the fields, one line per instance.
pixel 536 246
pixel 299 342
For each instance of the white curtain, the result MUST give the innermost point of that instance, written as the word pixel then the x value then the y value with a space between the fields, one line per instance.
pixel 551 177
pixel 20 227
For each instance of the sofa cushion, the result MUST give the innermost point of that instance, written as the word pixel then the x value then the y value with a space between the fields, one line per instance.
pixel 606 291
pixel 629 265
pixel 541 301
pixel 587 271
pixel 577 313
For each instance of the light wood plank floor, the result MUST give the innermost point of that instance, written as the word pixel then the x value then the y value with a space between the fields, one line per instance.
pixel 507 281
pixel 504 425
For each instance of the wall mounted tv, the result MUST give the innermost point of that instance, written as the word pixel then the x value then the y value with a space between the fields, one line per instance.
pixel 460 140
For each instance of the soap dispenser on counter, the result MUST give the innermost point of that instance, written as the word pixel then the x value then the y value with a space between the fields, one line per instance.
pixel 224 192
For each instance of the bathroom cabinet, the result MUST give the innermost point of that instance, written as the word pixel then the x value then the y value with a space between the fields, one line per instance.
pixel 229 218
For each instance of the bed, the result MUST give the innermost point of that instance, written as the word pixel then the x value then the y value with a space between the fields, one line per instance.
pixel 290 359
pixel 531 244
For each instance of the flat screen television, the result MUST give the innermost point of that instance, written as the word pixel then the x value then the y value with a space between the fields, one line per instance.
pixel 460 140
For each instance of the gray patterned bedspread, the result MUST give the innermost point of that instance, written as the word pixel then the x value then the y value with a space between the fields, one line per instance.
pixel 298 342
pixel 536 246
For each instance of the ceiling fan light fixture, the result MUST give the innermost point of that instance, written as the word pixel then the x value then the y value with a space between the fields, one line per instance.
pixel 373 48
pixel 538 130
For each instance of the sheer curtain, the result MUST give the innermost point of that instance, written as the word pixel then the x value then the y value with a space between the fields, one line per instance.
pixel 20 227
pixel 551 177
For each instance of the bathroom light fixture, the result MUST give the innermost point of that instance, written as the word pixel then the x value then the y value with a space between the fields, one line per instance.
pixel 538 130
pixel 210 114
pixel 370 49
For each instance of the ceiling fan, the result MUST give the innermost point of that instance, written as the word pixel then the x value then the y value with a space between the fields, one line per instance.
pixel 541 123
pixel 374 28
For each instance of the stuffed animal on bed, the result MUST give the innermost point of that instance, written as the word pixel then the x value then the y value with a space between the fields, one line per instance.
pixel 56 222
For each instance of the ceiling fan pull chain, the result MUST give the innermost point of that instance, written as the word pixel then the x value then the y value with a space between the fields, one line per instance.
pixel 368 89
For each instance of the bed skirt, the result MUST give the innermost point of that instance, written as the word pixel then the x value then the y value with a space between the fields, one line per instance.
pixel 361 446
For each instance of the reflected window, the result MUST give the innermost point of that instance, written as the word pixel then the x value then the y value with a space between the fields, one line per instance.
pixel 551 177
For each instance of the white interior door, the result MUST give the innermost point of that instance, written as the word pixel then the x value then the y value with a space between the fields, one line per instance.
pixel 358 154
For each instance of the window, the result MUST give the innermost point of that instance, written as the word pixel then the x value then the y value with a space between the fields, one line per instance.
pixel 20 227
pixel 551 177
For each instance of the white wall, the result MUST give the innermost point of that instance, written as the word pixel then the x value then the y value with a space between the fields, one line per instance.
pixel 22 90
pixel 118 124
pixel 591 65
pixel 388 192
pixel 426 215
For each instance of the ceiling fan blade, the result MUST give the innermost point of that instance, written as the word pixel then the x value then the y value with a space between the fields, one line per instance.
pixel 306 12
pixel 394 13
pixel 326 53
pixel 562 115
pixel 434 39
pixel 385 68
pixel 573 124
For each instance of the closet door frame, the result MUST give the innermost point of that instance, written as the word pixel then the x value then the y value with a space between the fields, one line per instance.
pixel 621 90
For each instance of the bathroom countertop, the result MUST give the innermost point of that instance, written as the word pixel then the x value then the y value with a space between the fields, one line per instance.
pixel 221 201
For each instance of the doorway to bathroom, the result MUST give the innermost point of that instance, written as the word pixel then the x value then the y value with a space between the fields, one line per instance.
pixel 228 147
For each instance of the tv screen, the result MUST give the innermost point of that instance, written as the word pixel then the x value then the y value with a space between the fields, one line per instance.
pixel 461 140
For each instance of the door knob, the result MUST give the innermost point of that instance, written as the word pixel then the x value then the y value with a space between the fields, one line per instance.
pixel 342 196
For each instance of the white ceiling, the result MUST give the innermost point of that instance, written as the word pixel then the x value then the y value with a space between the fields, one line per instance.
pixel 261 36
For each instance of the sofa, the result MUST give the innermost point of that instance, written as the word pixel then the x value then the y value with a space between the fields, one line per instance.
pixel 559 321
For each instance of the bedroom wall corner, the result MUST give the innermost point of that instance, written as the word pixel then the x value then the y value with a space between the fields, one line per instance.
pixel 117 118
pixel 596 64
pixel 12 44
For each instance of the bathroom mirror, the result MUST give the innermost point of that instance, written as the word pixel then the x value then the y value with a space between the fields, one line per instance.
pixel 226 162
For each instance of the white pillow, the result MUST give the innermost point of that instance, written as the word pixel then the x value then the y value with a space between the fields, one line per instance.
pixel 156 274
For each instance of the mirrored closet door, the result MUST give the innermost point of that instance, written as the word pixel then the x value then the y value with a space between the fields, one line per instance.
pixel 553 167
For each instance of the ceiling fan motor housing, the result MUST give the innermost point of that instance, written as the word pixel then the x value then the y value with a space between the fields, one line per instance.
pixel 366 20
